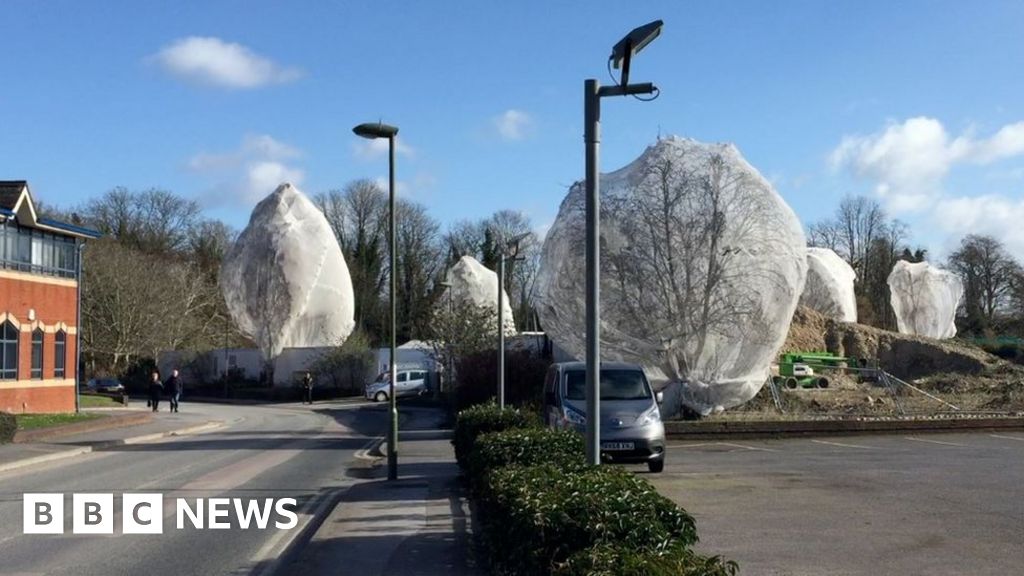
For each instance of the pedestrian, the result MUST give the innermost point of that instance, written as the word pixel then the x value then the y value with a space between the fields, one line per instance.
pixel 155 389
pixel 174 387
pixel 307 388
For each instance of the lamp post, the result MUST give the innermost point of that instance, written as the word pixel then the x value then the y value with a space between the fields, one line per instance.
pixel 513 242
pixel 371 131
pixel 622 53
pixel 449 362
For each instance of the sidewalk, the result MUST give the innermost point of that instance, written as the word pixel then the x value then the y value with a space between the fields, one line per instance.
pixel 417 525
pixel 161 424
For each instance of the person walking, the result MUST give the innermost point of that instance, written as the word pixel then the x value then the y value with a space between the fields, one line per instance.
pixel 156 388
pixel 174 387
pixel 307 388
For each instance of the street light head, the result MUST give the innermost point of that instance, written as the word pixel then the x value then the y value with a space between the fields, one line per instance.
pixel 634 42
pixel 375 130
pixel 515 240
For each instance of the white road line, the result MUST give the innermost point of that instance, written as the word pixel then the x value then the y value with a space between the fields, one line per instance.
pixel 698 445
pixel 748 447
pixel 1017 438
pixel 935 442
pixel 841 445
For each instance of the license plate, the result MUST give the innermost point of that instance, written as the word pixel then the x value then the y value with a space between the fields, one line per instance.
pixel 616 445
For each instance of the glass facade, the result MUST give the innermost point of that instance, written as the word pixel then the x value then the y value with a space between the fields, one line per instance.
pixel 59 354
pixel 37 252
pixel 8 351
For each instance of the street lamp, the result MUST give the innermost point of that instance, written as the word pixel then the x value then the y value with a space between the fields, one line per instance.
pixel 512 242
pixel 622 53
pixel 372 131
pixel 449 363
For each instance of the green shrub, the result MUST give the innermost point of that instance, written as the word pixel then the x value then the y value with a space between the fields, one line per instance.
pixel 524 447
pixel 8 426
pixel 535 518
pixel 483 418
pixel 619 561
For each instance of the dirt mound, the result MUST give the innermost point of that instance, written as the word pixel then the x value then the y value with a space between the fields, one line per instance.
pixel 902 355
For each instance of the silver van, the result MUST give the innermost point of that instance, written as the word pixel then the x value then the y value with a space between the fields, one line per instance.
pixel 631 427
pixel 409 383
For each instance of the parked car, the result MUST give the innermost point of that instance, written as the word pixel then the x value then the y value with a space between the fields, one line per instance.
pixel 409 383
pixel 631 426
pixel 105 385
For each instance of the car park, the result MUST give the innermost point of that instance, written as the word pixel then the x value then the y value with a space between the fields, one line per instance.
pixel 631 426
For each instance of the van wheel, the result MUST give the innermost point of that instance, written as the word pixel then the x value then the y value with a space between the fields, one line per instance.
pixel 380 397
pixel 656 466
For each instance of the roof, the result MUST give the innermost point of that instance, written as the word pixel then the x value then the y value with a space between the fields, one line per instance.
pixel 10 192
pixel 16 202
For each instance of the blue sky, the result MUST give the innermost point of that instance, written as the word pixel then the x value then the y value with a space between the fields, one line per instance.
pixel 918 103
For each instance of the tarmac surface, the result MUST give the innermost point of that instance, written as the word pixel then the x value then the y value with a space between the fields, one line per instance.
pixel 278 451
pixel 902 504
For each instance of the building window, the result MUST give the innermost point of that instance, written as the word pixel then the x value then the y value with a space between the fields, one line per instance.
pixel 37 354
pixel 36 251
pixel 59 347
pixel 8 351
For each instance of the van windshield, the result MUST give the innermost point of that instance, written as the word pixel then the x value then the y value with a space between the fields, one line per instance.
pixel 615 385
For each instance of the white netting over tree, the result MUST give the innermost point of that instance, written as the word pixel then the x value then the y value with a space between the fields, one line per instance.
pixel 925 299
pixel 285 280
pixel 829 287
pixel 702 266
pixel 472 284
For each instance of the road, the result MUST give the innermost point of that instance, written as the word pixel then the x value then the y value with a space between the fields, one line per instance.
pixel 937 504
pixel 263 452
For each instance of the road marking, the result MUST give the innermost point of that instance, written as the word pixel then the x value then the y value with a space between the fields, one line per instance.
pixel 935 442
pixel 745 447
pixel 841 445
pixel 1017 438
pixel 698 445
pixel 364 452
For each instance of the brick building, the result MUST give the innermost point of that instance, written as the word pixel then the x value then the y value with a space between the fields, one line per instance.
pixel 39 269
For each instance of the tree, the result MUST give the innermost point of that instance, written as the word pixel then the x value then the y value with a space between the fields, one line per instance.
pixel 153 221
pixel 989 275
pixel 348 367
pixel 862 234
pixel 359 218
pixel 420 264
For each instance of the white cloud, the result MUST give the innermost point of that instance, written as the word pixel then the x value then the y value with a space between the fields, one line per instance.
pixel 370 149
pixel 513 124
pixel 250 172
pixel 263 177
pixel 908 162
pixel 212 61
pixel 990 214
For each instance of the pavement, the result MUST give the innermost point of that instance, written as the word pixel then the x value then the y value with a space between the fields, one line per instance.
pixel 418 524
pixel 936 504
pixel 162 424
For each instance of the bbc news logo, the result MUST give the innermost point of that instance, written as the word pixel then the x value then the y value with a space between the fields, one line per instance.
pixel 144 513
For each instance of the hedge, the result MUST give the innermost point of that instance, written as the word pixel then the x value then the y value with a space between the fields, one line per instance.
pixel 524 447
pixel 536 517
pixel 8 426
pixel 543 510
pixel 483 418
pixel 619 561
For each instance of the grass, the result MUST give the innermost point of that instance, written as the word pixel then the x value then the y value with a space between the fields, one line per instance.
pixel 34 421
pixel 98 402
